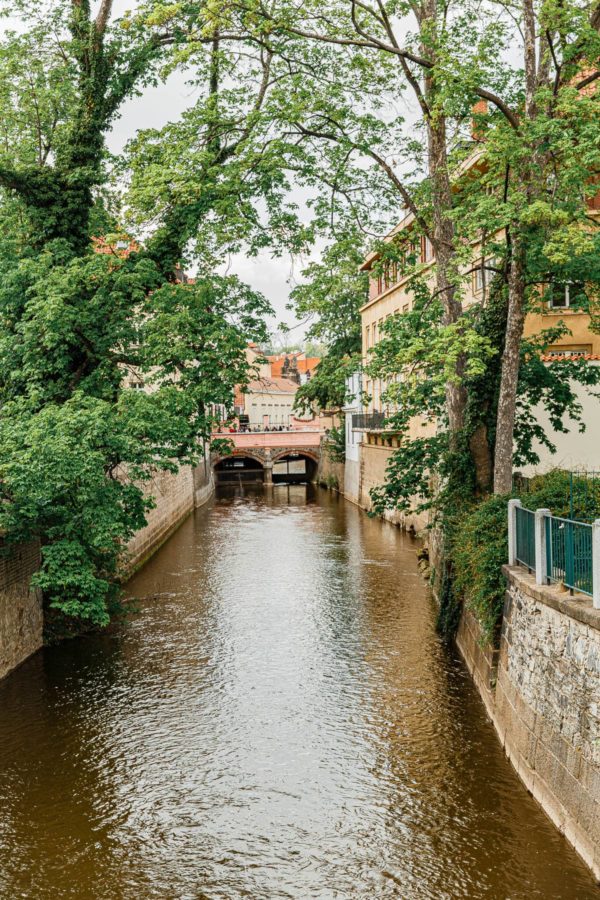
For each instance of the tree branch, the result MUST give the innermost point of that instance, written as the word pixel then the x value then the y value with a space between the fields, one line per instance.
pixel 103 16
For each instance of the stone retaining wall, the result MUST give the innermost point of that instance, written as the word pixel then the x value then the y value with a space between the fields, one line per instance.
pixel 330 474
pixel 21 618
pixel 175 496
pixel 542 692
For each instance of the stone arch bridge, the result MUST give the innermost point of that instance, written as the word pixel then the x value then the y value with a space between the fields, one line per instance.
pixel 270 457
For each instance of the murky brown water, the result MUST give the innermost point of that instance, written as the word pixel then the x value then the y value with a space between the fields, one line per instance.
pixel 279 720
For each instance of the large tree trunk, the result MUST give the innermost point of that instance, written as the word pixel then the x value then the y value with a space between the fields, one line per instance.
pixel 507 401
pixel 443 241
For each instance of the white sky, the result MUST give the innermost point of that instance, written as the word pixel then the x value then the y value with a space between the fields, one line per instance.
pixel 164 103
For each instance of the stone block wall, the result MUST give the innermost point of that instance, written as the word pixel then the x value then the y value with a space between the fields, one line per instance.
pixel 373 462
pixel 175 496
pixel 204 485
pixel 542 692
pixel 21 617
pixel 481 658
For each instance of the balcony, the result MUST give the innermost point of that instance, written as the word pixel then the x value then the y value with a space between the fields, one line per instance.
pixel 374 421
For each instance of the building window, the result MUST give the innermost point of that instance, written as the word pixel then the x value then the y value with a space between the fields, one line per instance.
pixel 579 350
pixel 426 250
pixel 374 333
pixel 479 278
pixel 564 296
pixel 367 336
pixel 484 274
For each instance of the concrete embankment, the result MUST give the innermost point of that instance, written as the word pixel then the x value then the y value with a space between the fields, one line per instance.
pixel 542 692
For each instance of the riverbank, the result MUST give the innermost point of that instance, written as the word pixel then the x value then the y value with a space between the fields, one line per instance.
pixel 541 690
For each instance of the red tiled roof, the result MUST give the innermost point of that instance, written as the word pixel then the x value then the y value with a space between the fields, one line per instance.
pixel 548 357
pixel 272 386
pixel 101 245
pixel 307 365
pixel 303 365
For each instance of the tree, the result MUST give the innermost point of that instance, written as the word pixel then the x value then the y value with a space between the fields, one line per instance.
pixel 78 443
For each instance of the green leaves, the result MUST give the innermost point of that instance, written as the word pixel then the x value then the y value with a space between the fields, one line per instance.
pixel 82 331
pixel 58 471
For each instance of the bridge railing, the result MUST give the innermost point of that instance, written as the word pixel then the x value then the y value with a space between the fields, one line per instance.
pixel 272 439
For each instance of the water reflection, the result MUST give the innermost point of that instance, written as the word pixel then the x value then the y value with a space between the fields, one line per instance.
pixel 278 720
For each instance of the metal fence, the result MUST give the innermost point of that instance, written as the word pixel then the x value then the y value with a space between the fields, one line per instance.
pixel 559 550
pixel 525 527
pixel 569 554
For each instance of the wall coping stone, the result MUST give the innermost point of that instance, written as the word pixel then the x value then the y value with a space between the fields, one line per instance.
pixel 578 607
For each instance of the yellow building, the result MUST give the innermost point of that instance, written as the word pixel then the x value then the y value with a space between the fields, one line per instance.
pixel 389 295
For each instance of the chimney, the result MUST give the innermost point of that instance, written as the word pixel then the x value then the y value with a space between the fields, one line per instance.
pixel 480 108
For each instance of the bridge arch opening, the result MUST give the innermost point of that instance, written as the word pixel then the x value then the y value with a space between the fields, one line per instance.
pixel 233 469
pixel 294 467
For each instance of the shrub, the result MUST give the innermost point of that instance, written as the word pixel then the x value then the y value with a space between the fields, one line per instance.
pixel 479 545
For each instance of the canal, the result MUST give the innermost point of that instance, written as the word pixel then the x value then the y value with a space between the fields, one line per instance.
pixel 277 719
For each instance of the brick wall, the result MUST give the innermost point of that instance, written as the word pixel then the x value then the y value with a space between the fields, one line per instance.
pixel 542 691
pixel 21 619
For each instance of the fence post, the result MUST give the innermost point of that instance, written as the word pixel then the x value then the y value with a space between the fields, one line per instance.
pixel 512 531
pixel 541 566
pixel 596 564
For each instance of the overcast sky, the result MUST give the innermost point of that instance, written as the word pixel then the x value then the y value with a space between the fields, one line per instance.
pixel 164 103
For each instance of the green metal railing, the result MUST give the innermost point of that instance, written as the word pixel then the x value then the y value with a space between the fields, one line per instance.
pixel 525 525
pixel 569 553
